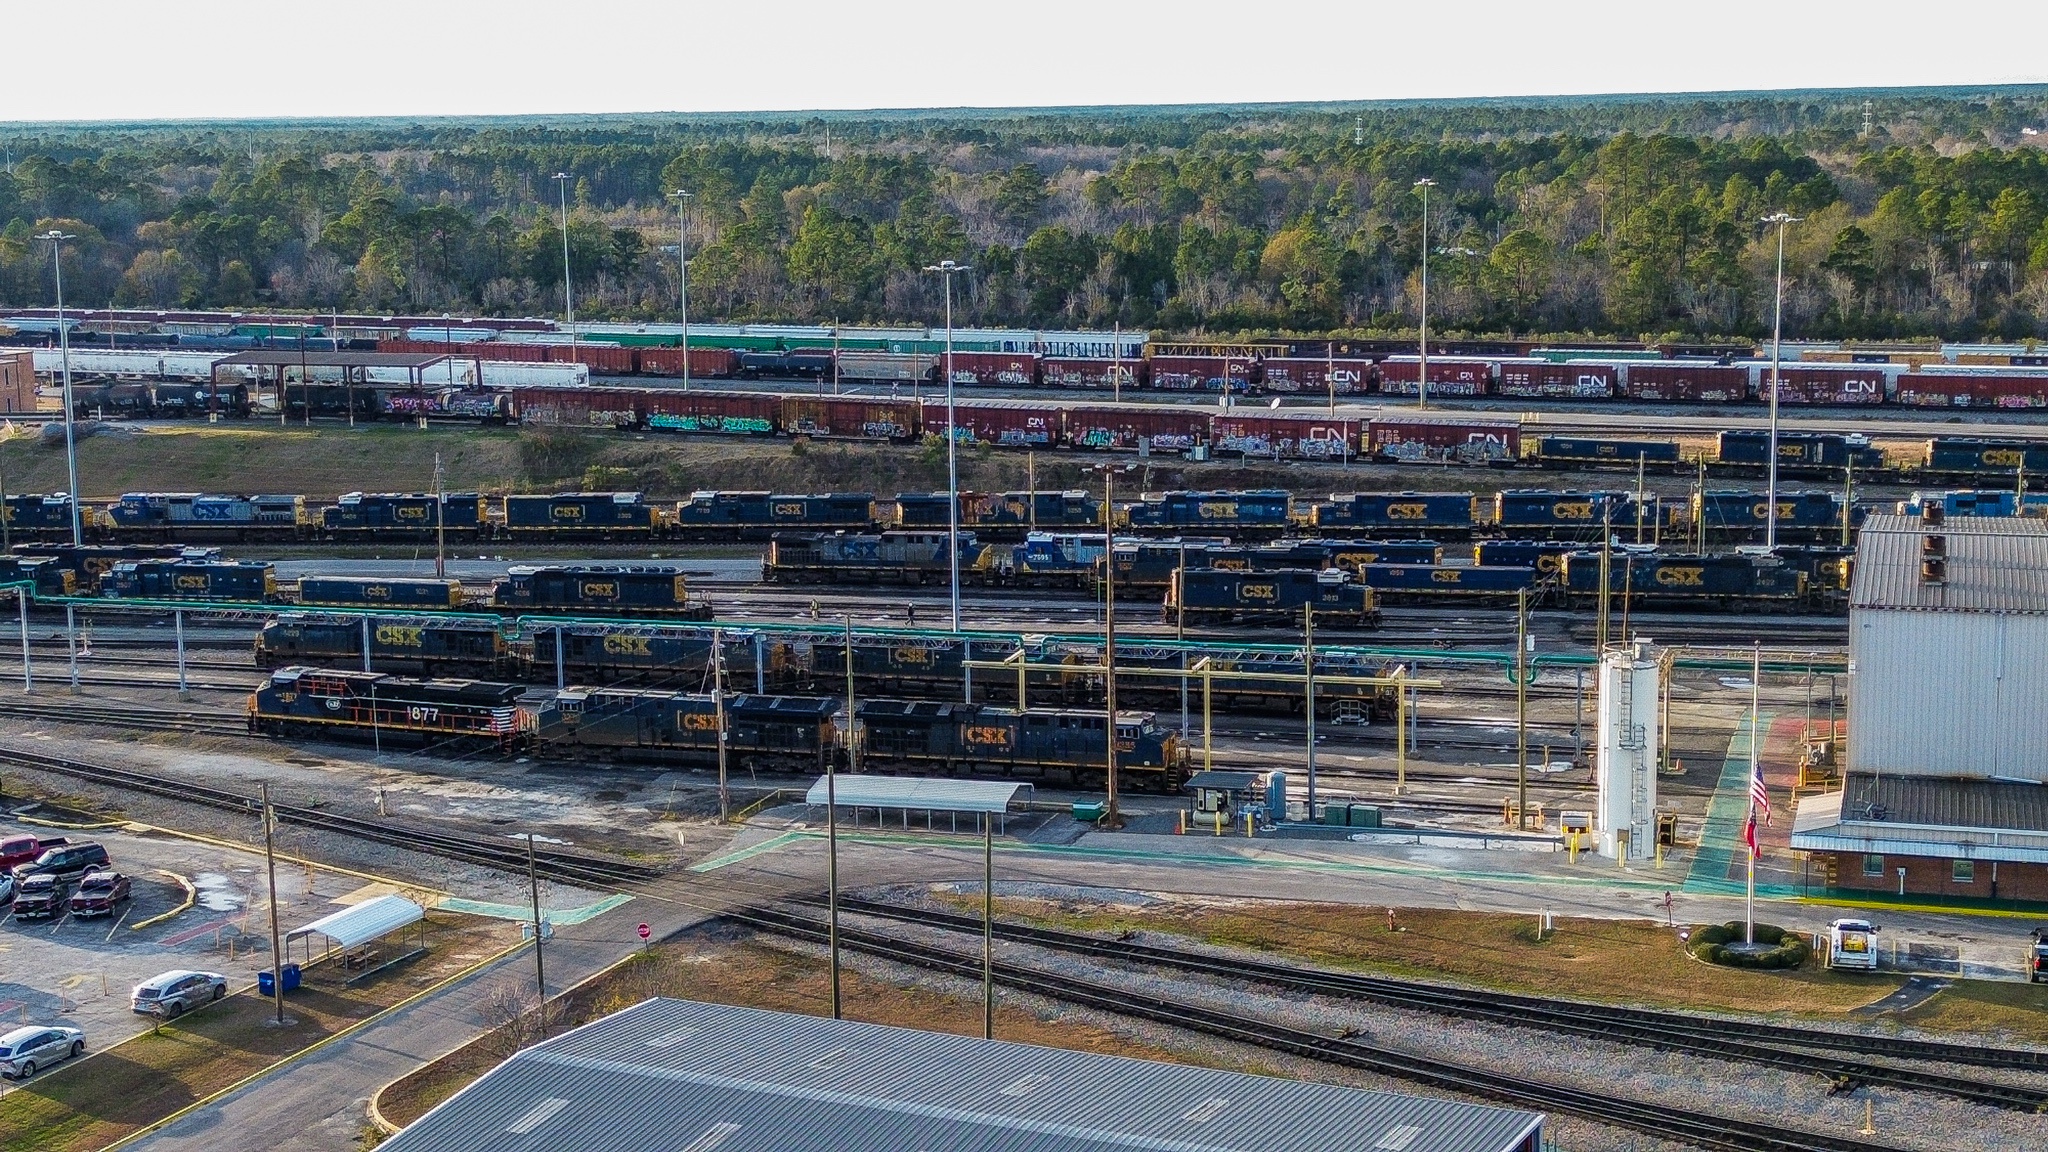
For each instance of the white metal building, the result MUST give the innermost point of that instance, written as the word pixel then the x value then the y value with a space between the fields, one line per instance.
pixel 1948 648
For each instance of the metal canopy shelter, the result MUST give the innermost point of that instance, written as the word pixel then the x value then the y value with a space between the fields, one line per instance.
pixel 927 794
pixel 353 927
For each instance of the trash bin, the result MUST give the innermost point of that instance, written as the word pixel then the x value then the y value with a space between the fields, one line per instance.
pixel 291 977
pixel 1088 811
pixel 264 984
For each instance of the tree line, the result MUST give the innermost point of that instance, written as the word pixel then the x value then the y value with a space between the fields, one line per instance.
pixel 1616 218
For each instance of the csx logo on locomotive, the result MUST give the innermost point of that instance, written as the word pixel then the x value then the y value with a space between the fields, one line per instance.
pixel 920 657
pixel 409 513
pixel 794 511
pixel 986 736
pixel 565 511
pixel 1762 510
pixel 1407 511
pixel 2003 457
pixel 189 583
pixel 1686 577
pixel 619 644
pixel 1216 510
pixel 598 590
pixel 1258 592
pixel 376 592
pixel 1446 576
pixel 699 722
pixel 399 636
pixel 1572 510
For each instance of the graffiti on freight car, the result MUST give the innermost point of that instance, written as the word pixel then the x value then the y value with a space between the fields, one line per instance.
pixel 1173 442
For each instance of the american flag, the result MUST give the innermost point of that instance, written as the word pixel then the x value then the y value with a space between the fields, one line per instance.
pixel 1759 798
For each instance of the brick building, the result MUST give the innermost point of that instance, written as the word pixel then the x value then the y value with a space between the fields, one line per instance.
pixel 1948 738
pixel 17 381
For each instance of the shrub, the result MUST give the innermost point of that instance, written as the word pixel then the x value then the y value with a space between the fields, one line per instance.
pixel 1788 949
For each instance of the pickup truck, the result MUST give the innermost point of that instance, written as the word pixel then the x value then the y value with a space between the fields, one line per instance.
pixel 22 847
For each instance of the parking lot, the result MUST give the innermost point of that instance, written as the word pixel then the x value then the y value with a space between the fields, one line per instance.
pixel 79 971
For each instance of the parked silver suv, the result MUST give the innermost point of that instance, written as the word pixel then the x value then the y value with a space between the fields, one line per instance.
pixel 172 994
pixel 24 1050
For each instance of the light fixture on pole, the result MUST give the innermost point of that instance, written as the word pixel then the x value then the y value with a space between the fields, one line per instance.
pixel 1422 345
pixel 1781 219
pixel 57 240
pixel 682 199
pixel 947 268
pixel 568 299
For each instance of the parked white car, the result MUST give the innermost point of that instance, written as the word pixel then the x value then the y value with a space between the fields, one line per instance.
pixel 24 1050
pixel 174 993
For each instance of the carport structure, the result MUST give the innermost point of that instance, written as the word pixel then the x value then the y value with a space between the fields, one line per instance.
pixel 278 369
pixel 351 931
pixel 927 794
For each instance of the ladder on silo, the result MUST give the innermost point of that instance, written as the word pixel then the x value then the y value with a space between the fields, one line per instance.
pixel 1632 738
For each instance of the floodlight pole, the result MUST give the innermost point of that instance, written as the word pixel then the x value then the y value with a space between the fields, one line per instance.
pixel 1422 345
pixel 1781 219
pixel 682 199
pixel 568 298
pixel 947 268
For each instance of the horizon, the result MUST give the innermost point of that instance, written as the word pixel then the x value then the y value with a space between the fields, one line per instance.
pixel 191 63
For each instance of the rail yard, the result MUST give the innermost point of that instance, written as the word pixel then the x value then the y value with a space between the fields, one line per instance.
pixel 1371 676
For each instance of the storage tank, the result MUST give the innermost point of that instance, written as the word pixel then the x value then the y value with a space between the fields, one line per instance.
pixel 1625 756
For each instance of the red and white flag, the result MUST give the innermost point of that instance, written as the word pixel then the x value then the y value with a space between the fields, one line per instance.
pixel 1759 798
pixel 1749 836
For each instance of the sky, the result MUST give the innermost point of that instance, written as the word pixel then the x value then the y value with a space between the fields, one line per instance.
pixel 223 59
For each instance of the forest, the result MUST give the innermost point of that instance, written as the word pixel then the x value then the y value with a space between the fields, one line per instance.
pixel 1921 213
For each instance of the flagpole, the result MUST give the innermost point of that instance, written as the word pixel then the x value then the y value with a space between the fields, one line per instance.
pixel 1756 667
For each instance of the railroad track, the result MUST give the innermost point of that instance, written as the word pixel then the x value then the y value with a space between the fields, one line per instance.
pixel 75 711
pixel 1767 1045
pixel 555 863
pixel 1721 1133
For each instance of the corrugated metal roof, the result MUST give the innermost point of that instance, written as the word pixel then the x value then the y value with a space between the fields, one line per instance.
pixel 1995 564
pixel 682 1075
pixel 1922 816
pixel 1225 779
pixel 362 923
pixel 918 793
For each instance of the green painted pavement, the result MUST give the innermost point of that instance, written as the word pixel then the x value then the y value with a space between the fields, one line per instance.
pixel 1721 843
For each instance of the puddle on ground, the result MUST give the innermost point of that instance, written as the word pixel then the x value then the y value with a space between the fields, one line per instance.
pixel 218 892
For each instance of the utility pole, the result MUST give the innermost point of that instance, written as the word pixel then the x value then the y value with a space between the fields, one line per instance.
pixel 1308 690
pixel 988 921
pixel 440 523
pixel 1111 816
pixel 1522 710
pixel 270 863
pixel 718 706
pixel 57 240
pixel 832 824
pixel 1606 579
pixel 1180 631
pixel 682 199
pixel 540 970
pixel 1422 346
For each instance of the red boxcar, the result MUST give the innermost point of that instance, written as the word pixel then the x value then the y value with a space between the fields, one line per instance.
pixel 1545 380
pixel 1687 383
pixel 1201 373
pixel 1314 374
pixel 1420 438
pixel 705 363
pixel 1974 390
pixel 1448 376
pixel 1010 423
pixel 698 410
pixel 516 353
pixel 850 418
pixel 1154 428
pixel 1830 384
pixel 1006 369
pixel 1284 436
pixel 604 359
pixel 578 407
pixel 1084 372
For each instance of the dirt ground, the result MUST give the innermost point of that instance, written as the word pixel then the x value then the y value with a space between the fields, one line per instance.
pixel 323 462
pixel 1614 961
pixel 732 970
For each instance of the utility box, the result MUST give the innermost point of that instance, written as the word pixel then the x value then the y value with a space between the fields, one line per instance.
pixel 1365 816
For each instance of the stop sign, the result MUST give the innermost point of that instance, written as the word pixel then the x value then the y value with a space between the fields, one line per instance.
pixel 645 931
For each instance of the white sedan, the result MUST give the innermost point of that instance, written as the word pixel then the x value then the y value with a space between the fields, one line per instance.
pixel 24 1050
